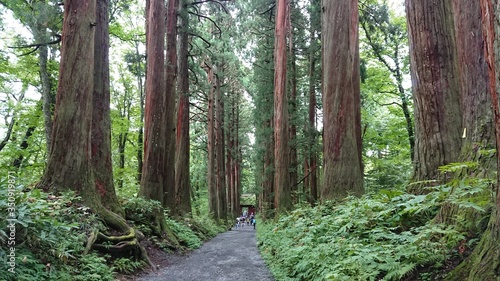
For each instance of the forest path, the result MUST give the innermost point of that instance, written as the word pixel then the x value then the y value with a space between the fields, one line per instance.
pixel 230 256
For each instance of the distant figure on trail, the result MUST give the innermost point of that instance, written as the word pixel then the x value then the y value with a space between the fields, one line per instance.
pixel 254 222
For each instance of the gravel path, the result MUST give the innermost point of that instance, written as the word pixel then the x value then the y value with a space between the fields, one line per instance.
pixel 230 256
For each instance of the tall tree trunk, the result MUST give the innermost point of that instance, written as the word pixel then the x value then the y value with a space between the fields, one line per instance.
pixel 435 83
pixel 484 262
pixel 182 183
pixel 172 148
pixel 140 134
pixel 477 119
pixel 343 168
pixel 219 144
pixel 230 154
pixel 153 171
pixel 311 162
pixel 282 196
pixel 211 173
pixel 69 164
pixel 293 128
pixel 101 119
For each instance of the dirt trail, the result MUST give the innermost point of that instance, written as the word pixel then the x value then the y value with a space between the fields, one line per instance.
pixel 230 256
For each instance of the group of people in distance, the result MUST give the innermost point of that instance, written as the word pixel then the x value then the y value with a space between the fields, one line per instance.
pixel 246 219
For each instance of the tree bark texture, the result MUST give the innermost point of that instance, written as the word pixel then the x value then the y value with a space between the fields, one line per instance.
pixel 343 168
pixel 101 119
pixel 473 71
pixel 211 173
pixel 69 164
pixel 219 144
pixel 169 198
pixel 484 261
pixel 182 178
pixel 282 196
pixel 153 171
pixel 435 84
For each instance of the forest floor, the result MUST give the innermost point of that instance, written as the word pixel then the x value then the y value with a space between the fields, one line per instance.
pixel 232 255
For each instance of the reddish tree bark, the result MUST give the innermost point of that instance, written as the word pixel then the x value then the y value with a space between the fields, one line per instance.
pixel 435 84
pixel 153 172
pixel 282 196
pixel 343 169
pixel 69 164
pixel 219 154
pixel 169 197
pixel 101 119
pixel 182 180
pixel 211 173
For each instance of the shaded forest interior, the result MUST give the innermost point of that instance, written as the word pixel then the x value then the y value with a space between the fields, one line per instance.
pixel 364 135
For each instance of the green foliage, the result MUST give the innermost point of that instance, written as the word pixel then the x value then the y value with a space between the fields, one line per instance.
pixel 383 236
pixel 50 233
pixel 127 266
pixel 184 234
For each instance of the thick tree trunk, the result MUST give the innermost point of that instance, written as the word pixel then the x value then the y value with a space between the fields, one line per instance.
pixel 169 198
pixel 69 164
pixel 484 262
pixel 478 131
pixel 182 178
pixel 435 83
pixel 153 171
pixel 343 168
pixel 101 119
pixel 282 196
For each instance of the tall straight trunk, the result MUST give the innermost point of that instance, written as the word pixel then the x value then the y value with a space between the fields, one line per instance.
pixel 46 92
pixel 219 154
pixel 473 71
pixel 311 156
pixel 140 134
pixel 282 196
pixel 153 171
pixel 169 199
pixel 182 183
pixel 484 261
pixel 343 168
pixel 436 87
pixel 69 164
pixel 478 132
pixel 237 159
pixel 293 128
pixel 101 119
pixel 229 155
pixel 211 173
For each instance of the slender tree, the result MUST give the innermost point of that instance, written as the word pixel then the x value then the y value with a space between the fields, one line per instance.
pixel 343 168
pixel 211 173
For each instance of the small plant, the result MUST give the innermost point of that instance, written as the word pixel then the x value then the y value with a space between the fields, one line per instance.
pixel 127 266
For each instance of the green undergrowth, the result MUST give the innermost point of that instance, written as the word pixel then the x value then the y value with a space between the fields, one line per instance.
pixel 384 236
pixel 46 235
